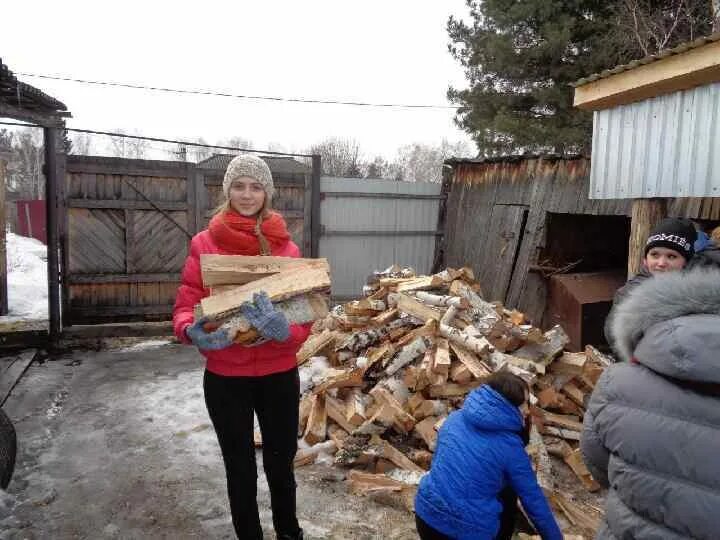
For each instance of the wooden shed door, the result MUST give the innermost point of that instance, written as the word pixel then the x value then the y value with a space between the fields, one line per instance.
pixel 507 225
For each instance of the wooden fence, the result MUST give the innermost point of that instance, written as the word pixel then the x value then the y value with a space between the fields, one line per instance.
pixel 126 231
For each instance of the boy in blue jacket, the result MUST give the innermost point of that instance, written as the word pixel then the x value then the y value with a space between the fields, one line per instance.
pixel 480 455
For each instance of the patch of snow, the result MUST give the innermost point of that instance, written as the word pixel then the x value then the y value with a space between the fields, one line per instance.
pixel 313 373
pixel 361 362
pixel 407 477
pixel 145 345
pixel 27 278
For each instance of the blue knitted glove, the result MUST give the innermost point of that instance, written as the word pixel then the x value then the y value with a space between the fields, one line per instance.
pixel 209 341
pixel 261 314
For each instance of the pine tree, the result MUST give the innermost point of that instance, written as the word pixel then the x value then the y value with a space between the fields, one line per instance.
pixel 520 58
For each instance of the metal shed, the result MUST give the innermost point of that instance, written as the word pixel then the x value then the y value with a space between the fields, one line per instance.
pixel 656 132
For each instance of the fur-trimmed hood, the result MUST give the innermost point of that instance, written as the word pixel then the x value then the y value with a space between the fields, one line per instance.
pixel 671 323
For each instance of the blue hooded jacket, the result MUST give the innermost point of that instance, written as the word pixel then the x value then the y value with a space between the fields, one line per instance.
pixel 480 452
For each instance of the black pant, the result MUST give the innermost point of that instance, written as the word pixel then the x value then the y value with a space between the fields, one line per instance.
pixel 426 532
pixel 231 402
pixel 507 498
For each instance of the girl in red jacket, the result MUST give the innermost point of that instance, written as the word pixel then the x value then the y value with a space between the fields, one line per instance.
pixel 242 380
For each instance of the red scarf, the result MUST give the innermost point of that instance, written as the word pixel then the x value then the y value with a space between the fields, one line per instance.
pixel 241 235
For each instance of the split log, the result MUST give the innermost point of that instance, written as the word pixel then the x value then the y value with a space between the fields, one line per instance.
pixel 376 355
pixel 579 515
pixel 569 364
pixel 479 346
pixel 441 300
pixel 355 408
pixel 364 307
pixel 335 410
pixel 469 360
pixel 597 357
pixel 441 358
pixel 449 390
pixel 576 463
pixel 566 434
pixel 306 404
pixel 426 431
pixel 385 317
pixel 306 456
pixel 541 460
pixel 418 284
pixel 395 456
pixel 522 363
pixel 575 394
pixel 437 425
pixel 402 420
pixel 340 378
pixel 414 402
pixel 558 448
pixel 545 353
pixel 314 344
pixel 422 458
pixel 377 424
pixel 412 306
pixel 408 354
pixel 459 373
pixel 554 400
pixel 359 341
pixel 337 435
pixel 241 269
pixel 563 421
pixel 429 329
pixel 316 430
pixel 430 407
pixel 278 287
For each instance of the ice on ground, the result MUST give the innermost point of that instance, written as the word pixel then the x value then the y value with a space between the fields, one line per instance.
pixel 27 278
pixel 145 345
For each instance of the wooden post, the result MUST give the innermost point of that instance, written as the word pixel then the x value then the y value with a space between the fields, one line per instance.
pixel 646 213
pixel 53 138
pixel 3 245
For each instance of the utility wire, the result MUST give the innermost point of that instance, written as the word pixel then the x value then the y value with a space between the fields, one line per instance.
pixel 157 139
pixel 237 96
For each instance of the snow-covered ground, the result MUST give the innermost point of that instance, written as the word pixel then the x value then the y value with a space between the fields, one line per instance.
pixel 118 444
pixel 27 279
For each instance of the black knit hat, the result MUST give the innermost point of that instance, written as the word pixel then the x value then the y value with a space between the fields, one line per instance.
pixel 676 234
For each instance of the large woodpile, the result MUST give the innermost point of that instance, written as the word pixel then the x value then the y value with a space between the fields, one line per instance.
pixel 406 354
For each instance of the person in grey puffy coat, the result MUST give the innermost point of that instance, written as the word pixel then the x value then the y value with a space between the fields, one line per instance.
pixel 652 427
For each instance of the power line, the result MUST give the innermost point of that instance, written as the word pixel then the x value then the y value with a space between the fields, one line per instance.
pixel 172 141
pixel 238 96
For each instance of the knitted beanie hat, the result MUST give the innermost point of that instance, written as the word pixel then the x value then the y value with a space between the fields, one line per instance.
pixel 252 166
pixel 676 234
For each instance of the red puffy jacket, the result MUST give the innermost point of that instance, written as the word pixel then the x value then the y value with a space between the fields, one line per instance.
pixel 270 357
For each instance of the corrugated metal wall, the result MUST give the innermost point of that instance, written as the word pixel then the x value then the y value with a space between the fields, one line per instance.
pixel 667 146
pixel 368 225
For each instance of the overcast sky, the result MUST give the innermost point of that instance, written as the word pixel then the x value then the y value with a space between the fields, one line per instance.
pixel 388 51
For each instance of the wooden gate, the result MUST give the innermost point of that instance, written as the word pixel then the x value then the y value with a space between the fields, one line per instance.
pixel 127 228
pixel 127 225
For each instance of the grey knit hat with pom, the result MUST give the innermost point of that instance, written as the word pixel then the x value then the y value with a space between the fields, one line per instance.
pixel 252 166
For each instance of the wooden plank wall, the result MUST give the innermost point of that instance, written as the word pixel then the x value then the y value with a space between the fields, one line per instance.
pixel 123 255
pixel 545 186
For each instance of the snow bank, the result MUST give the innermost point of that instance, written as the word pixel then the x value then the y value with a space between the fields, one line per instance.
pixel 27 278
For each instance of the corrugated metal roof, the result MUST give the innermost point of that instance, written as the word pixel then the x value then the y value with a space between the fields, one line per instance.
pixel 683 47
pixel 666 146
pixel 277 164
pixel 20 94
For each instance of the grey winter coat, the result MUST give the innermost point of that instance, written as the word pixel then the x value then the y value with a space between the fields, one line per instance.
pixel 652 427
